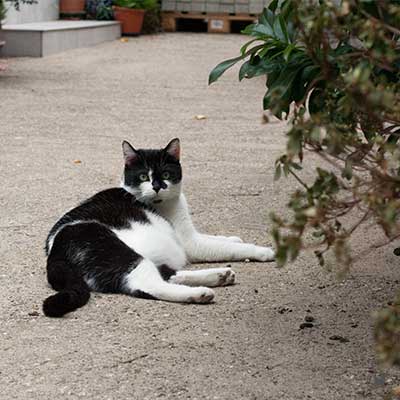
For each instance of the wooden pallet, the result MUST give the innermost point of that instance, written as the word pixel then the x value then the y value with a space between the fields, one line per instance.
pixel 217 23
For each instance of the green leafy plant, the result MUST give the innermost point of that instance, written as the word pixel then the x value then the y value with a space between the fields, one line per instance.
pixel 2 11
pixel 138 4
pixel 334 70
pixel 100 9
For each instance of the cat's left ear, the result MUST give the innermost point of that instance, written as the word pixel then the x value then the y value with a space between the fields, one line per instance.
pixel 174 148
pixel 130 154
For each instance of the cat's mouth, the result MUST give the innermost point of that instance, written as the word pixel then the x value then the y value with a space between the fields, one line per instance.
pixel 157 201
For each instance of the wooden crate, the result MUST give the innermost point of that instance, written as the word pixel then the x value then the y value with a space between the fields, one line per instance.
pixel 216 22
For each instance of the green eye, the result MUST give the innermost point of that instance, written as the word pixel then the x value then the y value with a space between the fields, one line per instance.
pixel 165 175
pixel 143 177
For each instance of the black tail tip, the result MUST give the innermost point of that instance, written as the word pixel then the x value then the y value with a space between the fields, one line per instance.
pixel 57 305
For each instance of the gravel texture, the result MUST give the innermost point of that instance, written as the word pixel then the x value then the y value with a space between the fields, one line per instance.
pixel 62 122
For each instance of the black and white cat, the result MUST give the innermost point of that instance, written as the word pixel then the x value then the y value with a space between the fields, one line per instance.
pixel 137 239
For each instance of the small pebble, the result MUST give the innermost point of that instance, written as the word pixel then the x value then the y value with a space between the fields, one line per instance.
pixel 306 325
pixel 339 338
pixel 309 318
pixel 33 314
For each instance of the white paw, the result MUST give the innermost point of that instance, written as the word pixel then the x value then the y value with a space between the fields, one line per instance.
pixel 226 277
pixel 201 295
pixel 264 254
pixel 235 239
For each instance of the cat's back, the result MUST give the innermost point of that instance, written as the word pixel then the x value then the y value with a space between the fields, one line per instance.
pixel 115 208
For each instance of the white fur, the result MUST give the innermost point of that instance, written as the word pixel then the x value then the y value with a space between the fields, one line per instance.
pixel 212 277
pixel 145 277
pixel 206 248
pixel 156 241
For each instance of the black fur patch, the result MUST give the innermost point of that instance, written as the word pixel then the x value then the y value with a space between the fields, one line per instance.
pixel 112 207
pixel 143 295
pixel 94 253
pixel 166 272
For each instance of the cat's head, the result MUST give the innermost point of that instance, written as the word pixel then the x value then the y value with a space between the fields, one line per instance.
pixel 152 176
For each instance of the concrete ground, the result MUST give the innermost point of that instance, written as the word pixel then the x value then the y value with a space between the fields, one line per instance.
pixel 62 122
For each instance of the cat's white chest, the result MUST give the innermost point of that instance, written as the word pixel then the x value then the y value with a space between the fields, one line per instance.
pixel 156 241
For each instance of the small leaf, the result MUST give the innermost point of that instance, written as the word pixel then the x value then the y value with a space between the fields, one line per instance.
pixel 273 5
pixel 287 51
pixel 278 30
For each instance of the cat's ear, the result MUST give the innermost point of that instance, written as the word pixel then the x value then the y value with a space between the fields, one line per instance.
pixel 174 148
pixel 130 154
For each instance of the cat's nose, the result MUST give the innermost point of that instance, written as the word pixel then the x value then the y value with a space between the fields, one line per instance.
pixel 156 187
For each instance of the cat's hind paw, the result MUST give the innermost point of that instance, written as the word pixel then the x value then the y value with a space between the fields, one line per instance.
pixel 264 254
pixel 226 277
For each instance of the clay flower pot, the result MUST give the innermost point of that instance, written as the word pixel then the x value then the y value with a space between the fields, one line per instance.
pixel 131 19
pixel 72 6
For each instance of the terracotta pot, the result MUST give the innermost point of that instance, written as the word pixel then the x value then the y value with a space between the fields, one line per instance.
pixel 131 19
pixel 72 6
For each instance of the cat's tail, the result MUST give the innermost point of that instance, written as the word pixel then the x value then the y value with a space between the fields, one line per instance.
pixel 73 292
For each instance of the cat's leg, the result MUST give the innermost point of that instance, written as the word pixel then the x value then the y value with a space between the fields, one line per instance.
pixel 146 281
pixel 212 277
pixel 203 249
pixel 220 237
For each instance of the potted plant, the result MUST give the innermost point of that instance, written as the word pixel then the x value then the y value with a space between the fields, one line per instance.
pixel 72 9
pixel 131 14
pixel 100 10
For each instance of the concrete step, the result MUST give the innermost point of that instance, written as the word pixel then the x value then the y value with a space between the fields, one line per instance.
pixel 40 39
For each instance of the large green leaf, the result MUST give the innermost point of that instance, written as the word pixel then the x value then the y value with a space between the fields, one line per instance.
pixel 279 94
pixel 259 30
pixel 223 66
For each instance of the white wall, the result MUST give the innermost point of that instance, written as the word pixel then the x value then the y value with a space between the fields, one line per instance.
pixel 44 10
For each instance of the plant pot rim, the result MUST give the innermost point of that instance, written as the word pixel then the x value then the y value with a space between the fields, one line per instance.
pixel 128 9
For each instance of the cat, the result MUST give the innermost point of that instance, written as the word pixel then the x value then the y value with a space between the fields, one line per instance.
pixel 136 240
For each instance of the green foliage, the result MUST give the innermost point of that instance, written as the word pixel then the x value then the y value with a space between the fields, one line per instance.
pixel 17 3
pixel 138 4
pixel 387 334
pixel 100 10
pixel 334 69
pixel 2 11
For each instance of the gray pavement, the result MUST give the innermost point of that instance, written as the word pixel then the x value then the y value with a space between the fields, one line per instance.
pixel 62 122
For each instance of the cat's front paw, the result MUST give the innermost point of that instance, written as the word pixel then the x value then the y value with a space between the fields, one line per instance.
pixel 264 254
pixel 202 295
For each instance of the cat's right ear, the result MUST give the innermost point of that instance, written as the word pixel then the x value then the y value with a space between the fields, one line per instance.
pixel 130 154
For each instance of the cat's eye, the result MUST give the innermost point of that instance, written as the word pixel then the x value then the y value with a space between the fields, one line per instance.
pixel 143 177
pixel 166 175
